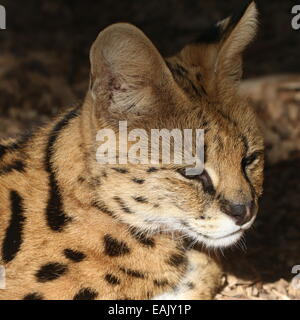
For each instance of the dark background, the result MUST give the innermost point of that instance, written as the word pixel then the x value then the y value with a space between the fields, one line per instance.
pixel 71 26
pixel 44 67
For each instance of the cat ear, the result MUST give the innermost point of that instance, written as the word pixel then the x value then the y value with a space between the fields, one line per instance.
pixel 218 51
pixel 128 75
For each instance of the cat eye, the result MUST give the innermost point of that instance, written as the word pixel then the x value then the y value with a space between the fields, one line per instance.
pixel 182 171
pixel 247 161
pixel 204 178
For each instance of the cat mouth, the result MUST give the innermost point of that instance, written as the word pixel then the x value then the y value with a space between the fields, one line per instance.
pixel 222 242
pixel 240 231
pixel 210 237
pixel 227 235
pixel 217 242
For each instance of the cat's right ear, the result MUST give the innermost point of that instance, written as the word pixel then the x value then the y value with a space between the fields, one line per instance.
pixel 218 52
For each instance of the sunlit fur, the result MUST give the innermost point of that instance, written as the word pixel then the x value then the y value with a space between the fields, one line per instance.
pixel 152 212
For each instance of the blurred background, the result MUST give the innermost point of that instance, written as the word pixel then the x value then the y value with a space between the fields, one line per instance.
pixel 44 68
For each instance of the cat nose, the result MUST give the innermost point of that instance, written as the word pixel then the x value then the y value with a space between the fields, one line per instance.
pixel 241 213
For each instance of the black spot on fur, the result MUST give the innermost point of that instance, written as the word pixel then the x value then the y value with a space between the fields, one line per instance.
pixel 138 181
pixel 14 145
pixel 74 255
pixel 190 285
pixel 120 170
pixel 152 169
pixel 149 295
pixel 3 150
pixel 187 244
pixel 177 69
pixel 176 260
pixel 94 182
pixel 133 273
pixel 81 179
pixel 57 219
pixel 199 77
pixel 103 208
pixel 86 294
pixel 33 296
pixel 140 199
pixel 195 90
pixel 122 205
pixel 111 279
pixel 141 238
pixel 161 283
pixel 51 271
pixel 114 247
pixel 14 232
pixel 17 165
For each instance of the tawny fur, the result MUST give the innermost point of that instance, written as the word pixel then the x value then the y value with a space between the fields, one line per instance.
pixel 111 210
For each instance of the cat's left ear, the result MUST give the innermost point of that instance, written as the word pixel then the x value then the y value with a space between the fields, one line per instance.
pixel 218 52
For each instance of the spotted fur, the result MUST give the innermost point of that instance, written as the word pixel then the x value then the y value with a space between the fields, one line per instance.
pixel 71 228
